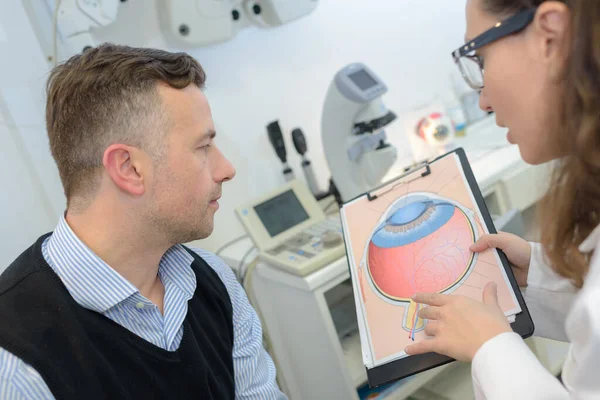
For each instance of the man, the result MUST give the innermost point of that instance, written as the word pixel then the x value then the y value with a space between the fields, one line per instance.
pixel 111 305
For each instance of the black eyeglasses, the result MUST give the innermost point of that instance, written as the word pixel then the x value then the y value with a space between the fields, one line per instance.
pixel 470 63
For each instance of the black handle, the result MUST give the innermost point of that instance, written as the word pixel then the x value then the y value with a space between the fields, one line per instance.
pixel 299 141
pixel 276 138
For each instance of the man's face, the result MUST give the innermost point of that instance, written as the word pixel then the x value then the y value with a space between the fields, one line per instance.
pixel 186 184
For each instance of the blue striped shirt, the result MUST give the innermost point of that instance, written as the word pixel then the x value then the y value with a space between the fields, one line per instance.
pixel 98 287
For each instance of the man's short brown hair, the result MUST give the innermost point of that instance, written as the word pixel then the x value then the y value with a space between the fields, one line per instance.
pixel 109 94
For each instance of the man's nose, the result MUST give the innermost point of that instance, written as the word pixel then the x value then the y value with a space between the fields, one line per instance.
pixel 225 170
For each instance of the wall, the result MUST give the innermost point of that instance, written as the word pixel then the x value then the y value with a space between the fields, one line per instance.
pixel 30 195
pixel 283 74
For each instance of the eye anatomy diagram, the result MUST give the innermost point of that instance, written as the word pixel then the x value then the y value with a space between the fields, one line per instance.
pixel 422 245
pixel 413 235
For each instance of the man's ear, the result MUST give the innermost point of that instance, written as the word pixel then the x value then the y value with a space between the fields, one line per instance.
pixel 552 24
pixel 124 164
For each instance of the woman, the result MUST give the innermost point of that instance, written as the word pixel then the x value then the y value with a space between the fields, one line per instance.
pixel 542 80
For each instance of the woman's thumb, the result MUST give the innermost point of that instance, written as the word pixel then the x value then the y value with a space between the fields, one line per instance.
pixel 487 241
pixel 490 293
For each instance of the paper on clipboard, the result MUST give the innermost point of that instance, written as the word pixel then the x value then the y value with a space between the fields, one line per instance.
pixel 413 235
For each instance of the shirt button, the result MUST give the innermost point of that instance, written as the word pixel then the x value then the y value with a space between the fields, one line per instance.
pixel 140 306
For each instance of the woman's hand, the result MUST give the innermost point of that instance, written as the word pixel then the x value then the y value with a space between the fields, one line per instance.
pixel 517 250
pixel 459 326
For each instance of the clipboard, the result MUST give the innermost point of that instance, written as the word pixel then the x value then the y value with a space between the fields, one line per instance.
pixel 410 365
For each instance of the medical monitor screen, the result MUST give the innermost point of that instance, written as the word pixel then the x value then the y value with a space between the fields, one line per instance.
pixel 362 79
pixel 281 213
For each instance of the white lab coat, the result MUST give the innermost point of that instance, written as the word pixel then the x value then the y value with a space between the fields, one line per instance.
pixel 504 368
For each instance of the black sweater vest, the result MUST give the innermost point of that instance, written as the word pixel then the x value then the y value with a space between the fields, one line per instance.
pixel 81 354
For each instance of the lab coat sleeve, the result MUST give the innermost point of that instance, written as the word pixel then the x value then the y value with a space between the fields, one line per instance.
pixel 580 370
pixel 548 296
pixel 505 368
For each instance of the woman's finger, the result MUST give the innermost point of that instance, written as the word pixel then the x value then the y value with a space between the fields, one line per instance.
pixel 488 241
pixel 490 294
pixel 424 346
pixel 432 328
pixel 430 312
pixel 431 299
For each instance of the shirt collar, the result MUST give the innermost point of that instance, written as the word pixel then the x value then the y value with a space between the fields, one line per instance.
pixel 591 242
pixel 98 287
pixel 175 268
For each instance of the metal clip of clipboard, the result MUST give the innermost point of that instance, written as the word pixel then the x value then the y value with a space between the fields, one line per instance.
pixel 371 196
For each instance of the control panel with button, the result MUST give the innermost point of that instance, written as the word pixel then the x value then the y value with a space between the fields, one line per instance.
pixel 291 231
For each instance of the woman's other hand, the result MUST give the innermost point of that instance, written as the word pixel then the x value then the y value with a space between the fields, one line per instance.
pixel 517 250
